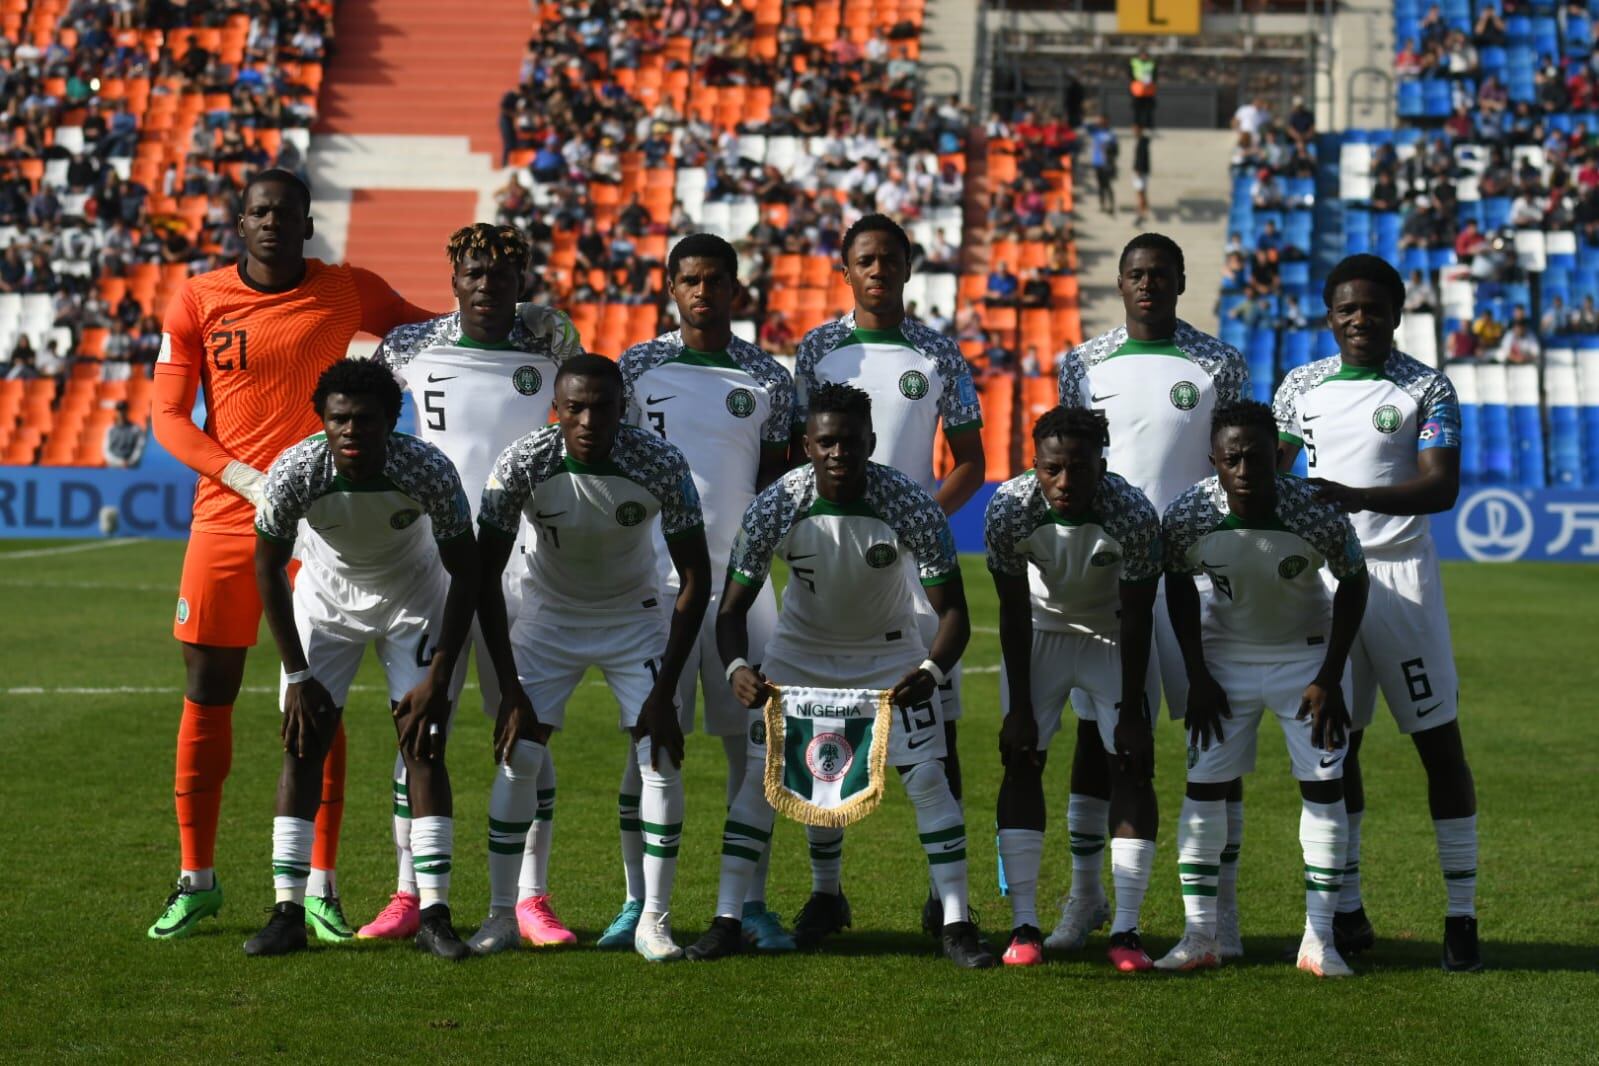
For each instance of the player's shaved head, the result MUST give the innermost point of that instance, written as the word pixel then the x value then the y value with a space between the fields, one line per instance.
pixel 592 367
pixel 702 246
pixel 359 377
pixel 1072 423
pixel 588 406
pixel 1363 267
pixel 496 245
pixel 279 176
pixel 876 223
pixel 1155 242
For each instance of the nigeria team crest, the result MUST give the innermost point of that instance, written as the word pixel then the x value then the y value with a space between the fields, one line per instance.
pixel 630 513
pixel 1105 558
pixel 1387 418
pixel 913 384
pixel 1185 396
pixel 826 752
pixel 879 556
pixel 741 403
pixel 1292 566
pixel 404 518
pixel 527 380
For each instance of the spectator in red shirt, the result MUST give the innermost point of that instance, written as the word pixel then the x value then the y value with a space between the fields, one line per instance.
pixel 777 336
pixel 1469 242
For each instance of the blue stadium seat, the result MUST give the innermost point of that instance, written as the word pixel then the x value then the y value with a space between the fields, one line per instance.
pixel 1495 212
pixel 1526 427
pixel 1498 455
pixel 1517 292
pixel 1521 87
pixel 1261 355
pixel 1298 228
pixel 1437 100
pixel 1560 122
pixel 1578 35
pixel 1469 211
pixel 1438 258
pixel 1386 226
pixel 1412 259
pixel 1545 36
pixel 1494 60
pixel 1565 444
pixel 1295 274
pixel 1411 102
pixel 1326 344
pixel 1518 28
pixel 1296 348
pixel 1299 191
pixel 1234 333
pixel 1407 28
pixel 1471 448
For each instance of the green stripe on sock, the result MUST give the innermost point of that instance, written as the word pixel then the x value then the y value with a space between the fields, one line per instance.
pixel 1331 871
pixel 1229 854
pixel 631 825
pixel 940 835
pixel 750 831
pixel 1313 886
pixel 1095 850
pixel 741 853
pixel 513 847
pixel 497 826
pixel 1199 890
pixel 939 858
pixel 817 853
pixel 1459 875
pixel 659 852
pixel 279 870
pixel 1353 867
pixel 1198 868
pixel 400 789
pixel 624 800
pixel 662 830
pixel 402 810
pixel 546 794
pixel 545 815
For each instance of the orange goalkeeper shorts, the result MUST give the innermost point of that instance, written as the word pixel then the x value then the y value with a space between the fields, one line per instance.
pixel 218 603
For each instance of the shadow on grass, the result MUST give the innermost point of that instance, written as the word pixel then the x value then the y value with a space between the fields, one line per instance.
pixel 1404 954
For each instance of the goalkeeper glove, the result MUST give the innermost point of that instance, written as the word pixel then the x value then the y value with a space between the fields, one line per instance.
pixel 246 480
pixel 553 328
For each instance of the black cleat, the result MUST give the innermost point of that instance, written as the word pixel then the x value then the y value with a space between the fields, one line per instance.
pixel 933 915
pixel 965 948
pixel 438 936
pixel 1352 932
pixel 725 937
pixel 824 914
pixel 284 932
pixel 1461 954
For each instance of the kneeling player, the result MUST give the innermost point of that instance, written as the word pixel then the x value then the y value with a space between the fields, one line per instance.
pixel 1271 627
pixel 591 486
pixel 1076 622
pixel 369 576
pixel 848 620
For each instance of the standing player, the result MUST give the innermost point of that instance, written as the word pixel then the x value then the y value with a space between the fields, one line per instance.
pixel 1075 556
pixel 480 379
pixel 917 379
pixel 1273 638
pixel 591 487
pixel 848 620
pixel 1158 380
pixel 370 576
pixel 727 406
pixel 1381 437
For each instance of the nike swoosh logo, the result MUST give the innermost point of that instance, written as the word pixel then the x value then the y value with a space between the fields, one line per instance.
pixel 952 845
pixel 914 744
pixel 324 529
pixel 659 399
pixel 1330 760
pixel 1107 396
pixel 230 321
pixel 434 379
pixel 1429 710
pixel 552 514
pixel 1189 880
pixel 797 558
pixel 1308 418
pixel 1212 566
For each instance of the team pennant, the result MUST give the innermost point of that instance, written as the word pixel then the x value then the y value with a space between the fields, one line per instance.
pixel 826 752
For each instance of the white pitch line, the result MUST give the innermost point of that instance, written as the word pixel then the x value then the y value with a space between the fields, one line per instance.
pixel 70 549
pixel 93 586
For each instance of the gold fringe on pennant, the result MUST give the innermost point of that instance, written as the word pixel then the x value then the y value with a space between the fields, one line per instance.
pixel 804 811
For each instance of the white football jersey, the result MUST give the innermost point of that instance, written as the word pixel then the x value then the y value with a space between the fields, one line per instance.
pixel 720 409
pixel 595 562
pixel 847 593
pixel 1267 601
pixel 1365 426
pixel 1074 568
pixel 915 376
pixel 1158 397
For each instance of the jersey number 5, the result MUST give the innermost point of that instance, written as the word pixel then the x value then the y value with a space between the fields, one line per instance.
pixel 1310 449
pixel 223 344
pixel 433 406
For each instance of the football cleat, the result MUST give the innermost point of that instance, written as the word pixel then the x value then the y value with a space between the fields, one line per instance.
pixel 1078 918
pixel 438 937
pixel 653 938
pixel 824 914
pixel 725 937
pixel 325 916
pixel 184 909
pixel 1352 932
pixel 965 948
pixel 1229 939
pixel 498 933
pixel 1321 959
pixel 1026 947
pixel 1461 953
pixel 399 920
pixel 284 932
pixel 1127 953
pixel 619 934
pixel 539 925
pixel 763 929
pixel 933 915
pixel 1193 952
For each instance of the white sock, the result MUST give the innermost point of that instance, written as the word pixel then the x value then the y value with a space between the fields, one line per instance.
pixel 291 857
pixel 1323 836
pixel 942 829
pixel 746 836
pixel 661 818
pixel 513 800
pixel 827 858
pixel 1131 862
pixel 321 884
pixel 1087 821
pixel 535 879
pixel 1201 835
pixel 628 798
pixel 201 879
pixel 432 845
pixel 1457 855
pixel 405 872
pixel 1349 895
pixel 1227 885
pixel 1022 852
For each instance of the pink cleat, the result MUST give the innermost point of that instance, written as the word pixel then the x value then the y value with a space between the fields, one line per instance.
pixel 1127 953
pixel 539 925
pixel 1026 947
pixel 400 920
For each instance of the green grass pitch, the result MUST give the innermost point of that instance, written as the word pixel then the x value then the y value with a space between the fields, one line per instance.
pixel 89 701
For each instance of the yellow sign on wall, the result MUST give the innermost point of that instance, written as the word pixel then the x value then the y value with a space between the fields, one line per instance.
pixel 1179 18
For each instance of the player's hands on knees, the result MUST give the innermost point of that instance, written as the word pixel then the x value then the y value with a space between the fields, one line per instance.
pixel 422 717
pixel 515 721
pixel 1343 497
pixel 309 718
pixel 1135 746
pixel 750 687
pixel 1207 706
pixel 918 686
pixel 1329 716
pixel 1018 738
pixel 658 720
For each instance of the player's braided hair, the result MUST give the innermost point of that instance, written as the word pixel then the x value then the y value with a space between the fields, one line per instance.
pixel 875 223
pixel 1079 422
pixel 359 377
pixel 1372 268
pixel 836 398
pixel 1155 242
pixel 703 246
pixel 497 244
pixel 1243 414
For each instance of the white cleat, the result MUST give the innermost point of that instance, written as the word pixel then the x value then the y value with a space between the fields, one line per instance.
pixel 1228 938
pixel 1321 959
pixel 498 933
pixel 653 939
pixel 1193 952
pixel 1078 918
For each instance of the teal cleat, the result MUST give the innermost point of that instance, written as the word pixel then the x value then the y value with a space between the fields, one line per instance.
pixel 325 916
pixel 184 909
pixel 618 936
pixel 763 929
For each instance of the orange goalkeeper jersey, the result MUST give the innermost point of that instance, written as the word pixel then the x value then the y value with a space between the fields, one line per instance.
pixel 258 354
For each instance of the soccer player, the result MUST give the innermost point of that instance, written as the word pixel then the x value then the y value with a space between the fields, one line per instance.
pixel 481 378
pixel 917 379
pixel 591 487
pixel 848 620
pixel 370 576
pixel 1074 551
pixel 1158 380
pixel 1381 437
pixel 727 406
pixel 1274 637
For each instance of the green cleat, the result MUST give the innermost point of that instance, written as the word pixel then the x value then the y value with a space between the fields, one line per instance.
pixel 184 909
pixel 325 917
